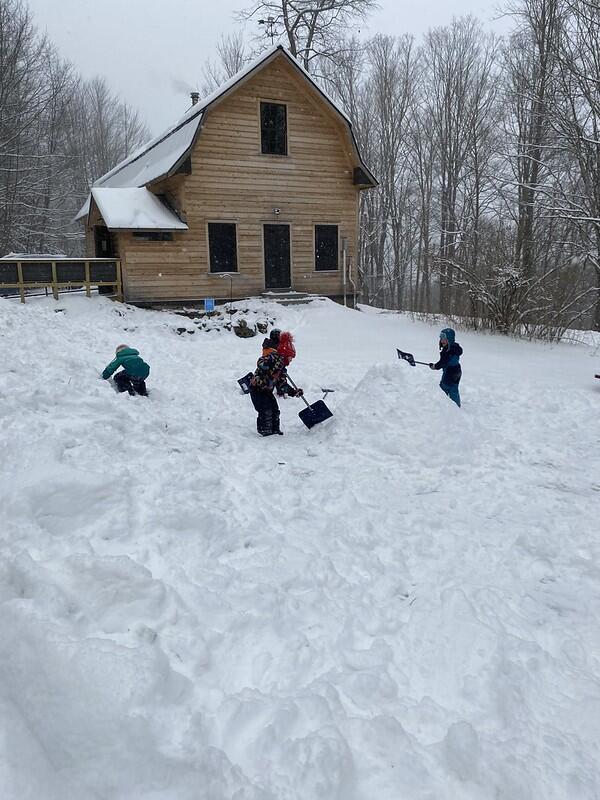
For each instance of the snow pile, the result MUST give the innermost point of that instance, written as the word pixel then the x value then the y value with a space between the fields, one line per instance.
pixel 401 602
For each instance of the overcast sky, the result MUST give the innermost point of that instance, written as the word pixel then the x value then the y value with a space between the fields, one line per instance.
pixel 148 50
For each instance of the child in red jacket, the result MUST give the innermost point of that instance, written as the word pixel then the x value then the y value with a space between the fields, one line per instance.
pixel 271 374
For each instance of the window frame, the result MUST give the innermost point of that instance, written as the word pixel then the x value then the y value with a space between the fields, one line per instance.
pixel 262 101
pixel 336 225
pixel 233 222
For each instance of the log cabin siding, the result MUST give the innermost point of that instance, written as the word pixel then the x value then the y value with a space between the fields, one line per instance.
pixel 231 181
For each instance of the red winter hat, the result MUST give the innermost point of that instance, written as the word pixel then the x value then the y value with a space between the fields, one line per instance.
pixel 286 347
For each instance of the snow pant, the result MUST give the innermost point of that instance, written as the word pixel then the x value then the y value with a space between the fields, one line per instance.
pixel 267 422
pixel 127 383
pixel 451 390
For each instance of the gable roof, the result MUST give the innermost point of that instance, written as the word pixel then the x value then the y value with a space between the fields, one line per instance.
pixel 163 155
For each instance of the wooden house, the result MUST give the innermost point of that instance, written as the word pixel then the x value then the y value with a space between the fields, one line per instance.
pixel 258 182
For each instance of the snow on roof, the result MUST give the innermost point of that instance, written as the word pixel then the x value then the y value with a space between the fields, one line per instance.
pixel 135 209
pixel 158 157
pixel 154 159
pixel 84 210
pixel 32 256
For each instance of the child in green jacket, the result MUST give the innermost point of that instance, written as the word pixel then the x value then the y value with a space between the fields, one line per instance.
pixel 132 377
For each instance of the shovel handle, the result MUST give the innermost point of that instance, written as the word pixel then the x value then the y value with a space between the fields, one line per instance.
pixel 293 385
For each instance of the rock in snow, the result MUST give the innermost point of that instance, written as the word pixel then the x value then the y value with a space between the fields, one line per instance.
pixel 400 603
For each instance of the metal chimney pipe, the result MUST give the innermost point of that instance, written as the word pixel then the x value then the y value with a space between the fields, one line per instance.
pixel 195 97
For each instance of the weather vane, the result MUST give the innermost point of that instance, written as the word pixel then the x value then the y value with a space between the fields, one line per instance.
pixel 270 27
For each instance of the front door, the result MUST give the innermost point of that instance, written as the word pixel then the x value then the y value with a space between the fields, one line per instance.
pixel 104 242
pixel 104 245
pixel 277 257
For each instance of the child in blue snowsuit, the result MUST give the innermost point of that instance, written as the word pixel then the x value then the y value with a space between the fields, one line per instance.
pixel 449 363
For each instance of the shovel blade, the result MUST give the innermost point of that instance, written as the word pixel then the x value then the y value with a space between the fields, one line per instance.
pixel 406 357
pixel 315 413
pixel 245 382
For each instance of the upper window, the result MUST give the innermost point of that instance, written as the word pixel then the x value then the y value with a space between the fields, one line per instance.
pixel 222 246
pixel 273 129
pixel 326 247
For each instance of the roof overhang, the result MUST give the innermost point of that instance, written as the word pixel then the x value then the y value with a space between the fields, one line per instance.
pixel 134 209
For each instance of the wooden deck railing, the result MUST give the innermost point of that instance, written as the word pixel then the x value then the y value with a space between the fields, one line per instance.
pixel 60 274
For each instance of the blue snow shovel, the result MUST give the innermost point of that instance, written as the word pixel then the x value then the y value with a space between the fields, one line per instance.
pixel 410 358
pixel 314 412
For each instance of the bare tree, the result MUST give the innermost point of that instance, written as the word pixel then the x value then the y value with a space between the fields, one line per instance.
pixel 460 94
pixel 374 83
pixel 232 55
pixel 422 166
pixel 390 90
pixel 531 65
pixel 24 96
pixel 575 118
pixel 310 28
pixel 57 135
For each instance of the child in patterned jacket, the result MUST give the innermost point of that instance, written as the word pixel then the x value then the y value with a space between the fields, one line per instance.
pixel 271 374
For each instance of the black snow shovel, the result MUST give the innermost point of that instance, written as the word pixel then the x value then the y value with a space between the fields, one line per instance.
pixel 245 383
pixel 410 358
pixel 315 412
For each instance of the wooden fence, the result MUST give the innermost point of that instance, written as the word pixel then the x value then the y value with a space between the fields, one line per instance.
pixel 60 275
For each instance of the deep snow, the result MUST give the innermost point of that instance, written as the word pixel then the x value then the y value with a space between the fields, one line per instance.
pixel 401 603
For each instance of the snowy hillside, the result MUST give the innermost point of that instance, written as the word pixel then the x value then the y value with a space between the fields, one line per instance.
pixel 399 604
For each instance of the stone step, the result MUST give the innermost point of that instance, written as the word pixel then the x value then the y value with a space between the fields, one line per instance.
pixel 290 298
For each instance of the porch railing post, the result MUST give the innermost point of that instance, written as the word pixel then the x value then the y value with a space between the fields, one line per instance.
pixel 119 281
pixel 54 281
pixel 20 280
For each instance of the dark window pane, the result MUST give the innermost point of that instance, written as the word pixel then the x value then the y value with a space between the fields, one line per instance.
pixel 222 246
pixel 153 236
pixel 273 129
pixel 326 247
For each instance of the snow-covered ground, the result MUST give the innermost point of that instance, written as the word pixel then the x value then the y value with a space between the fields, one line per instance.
pixel 399 604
